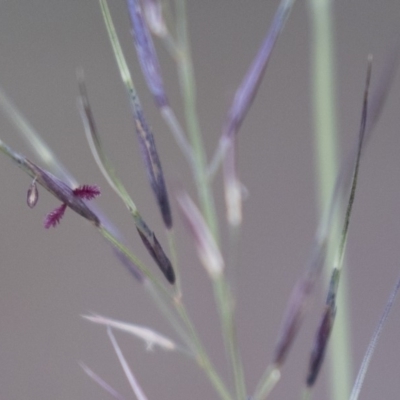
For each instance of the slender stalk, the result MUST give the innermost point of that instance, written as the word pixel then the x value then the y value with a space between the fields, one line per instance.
pixel 223 296
pixel 188 88
pixel 169 314
pixel 214 264
pixel 325 130
pixel 202 357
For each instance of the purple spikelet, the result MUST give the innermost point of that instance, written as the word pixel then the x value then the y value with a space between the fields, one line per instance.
pixel 84 192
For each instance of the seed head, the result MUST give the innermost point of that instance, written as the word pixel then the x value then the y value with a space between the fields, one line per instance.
pixel 85 192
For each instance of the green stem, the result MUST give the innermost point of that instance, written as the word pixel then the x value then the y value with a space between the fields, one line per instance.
pixel 325 131
pixel 202 357
pixel 223 296
pixel 188 87
pixel 221 289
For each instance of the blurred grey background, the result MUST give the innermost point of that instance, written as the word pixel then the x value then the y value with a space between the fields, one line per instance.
pixel 49 278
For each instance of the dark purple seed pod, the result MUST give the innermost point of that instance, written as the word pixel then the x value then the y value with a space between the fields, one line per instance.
pixel 153 246
pixel 32 196
pixel 153 165
pixel 320 344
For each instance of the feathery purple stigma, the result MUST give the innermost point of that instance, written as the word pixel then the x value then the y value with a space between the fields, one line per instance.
pixel 87 192
pixel 53 218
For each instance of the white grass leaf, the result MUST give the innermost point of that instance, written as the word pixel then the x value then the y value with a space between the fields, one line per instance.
pixel 128 372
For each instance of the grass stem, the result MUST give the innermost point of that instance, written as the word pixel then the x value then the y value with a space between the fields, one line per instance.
pixel 325 130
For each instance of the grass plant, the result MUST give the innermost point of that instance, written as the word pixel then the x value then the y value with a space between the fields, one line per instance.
pixel 154 24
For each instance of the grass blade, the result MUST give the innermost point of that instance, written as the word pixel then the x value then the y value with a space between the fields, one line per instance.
pixel 128 372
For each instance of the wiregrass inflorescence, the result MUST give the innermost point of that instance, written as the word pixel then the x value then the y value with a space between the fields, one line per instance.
pixel 147 19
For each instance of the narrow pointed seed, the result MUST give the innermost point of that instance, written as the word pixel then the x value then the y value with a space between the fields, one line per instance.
pixel 147 54
pixel 320 344
pixel 247 91
pixel 153 166
pixel 324 330
pixel 156 251
pixel 147 147
pixel 296 305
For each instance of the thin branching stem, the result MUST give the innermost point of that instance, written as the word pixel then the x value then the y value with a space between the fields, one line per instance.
pixel 224 300
pixel 222 297
pixel 188 88
pixel 202 357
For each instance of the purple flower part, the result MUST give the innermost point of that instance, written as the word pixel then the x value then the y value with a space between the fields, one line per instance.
pixel 53 218
pixel 147 54
pixel 60 190
pixel 153 166
pixel 87 192
pixel 32 196
pixel 156 251
pixel 247 90
pixel 320 344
